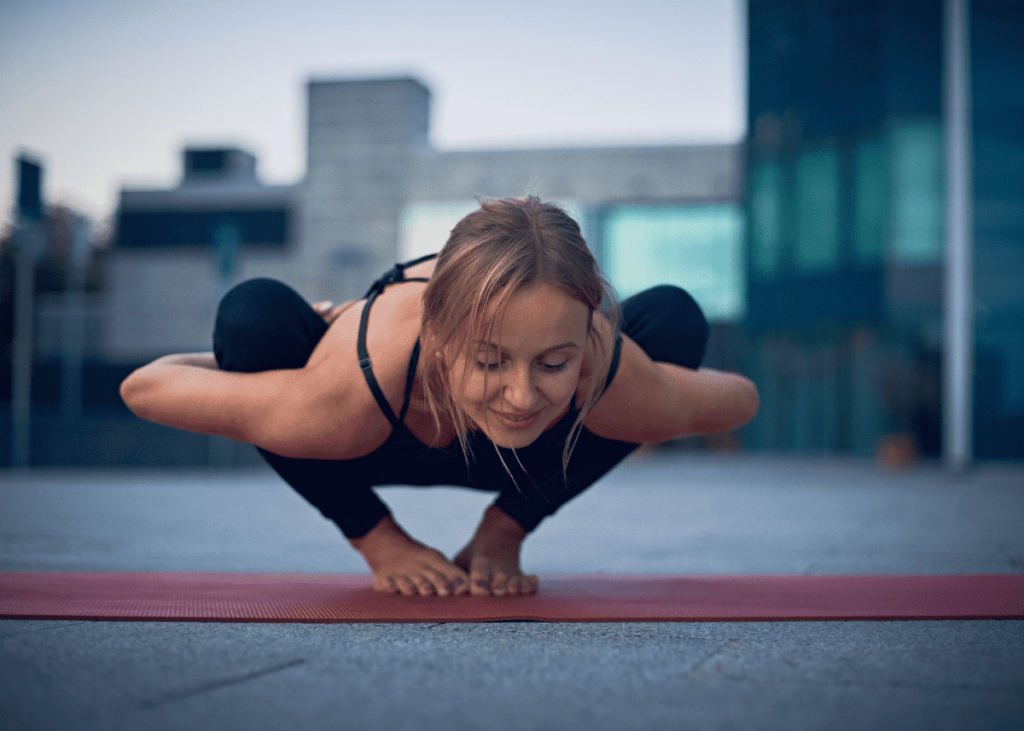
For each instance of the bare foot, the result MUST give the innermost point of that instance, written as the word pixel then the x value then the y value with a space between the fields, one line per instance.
pixel 401 564
pixel 491 558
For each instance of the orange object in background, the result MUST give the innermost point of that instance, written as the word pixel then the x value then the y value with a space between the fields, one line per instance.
pixel 897 451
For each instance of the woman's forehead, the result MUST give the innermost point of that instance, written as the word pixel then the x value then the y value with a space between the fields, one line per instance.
pixel 539 314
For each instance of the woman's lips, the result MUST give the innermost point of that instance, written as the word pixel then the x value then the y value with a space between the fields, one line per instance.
pixel 517 422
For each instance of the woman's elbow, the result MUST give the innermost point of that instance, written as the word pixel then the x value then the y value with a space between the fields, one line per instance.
pixel 133 392
pixel 750 402
pixel 730 408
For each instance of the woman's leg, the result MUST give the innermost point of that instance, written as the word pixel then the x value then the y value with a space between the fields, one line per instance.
pixel 667 324
pixel 263 325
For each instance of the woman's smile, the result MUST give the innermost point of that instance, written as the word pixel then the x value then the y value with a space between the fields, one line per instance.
pixel 518 421
pixel 525 373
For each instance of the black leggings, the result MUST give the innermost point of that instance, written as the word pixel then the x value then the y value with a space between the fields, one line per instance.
pixel 263 324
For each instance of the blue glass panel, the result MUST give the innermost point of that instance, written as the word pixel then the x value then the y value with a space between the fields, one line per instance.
pixel 817 210
pixel 917 190
pixel 698 248
pixel 765 213
pixel 871 200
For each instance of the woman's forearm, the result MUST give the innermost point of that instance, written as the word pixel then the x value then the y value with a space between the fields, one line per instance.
pixel 726 401
pixel 188 391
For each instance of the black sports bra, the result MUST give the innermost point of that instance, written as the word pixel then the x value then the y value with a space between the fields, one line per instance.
pixel 397 274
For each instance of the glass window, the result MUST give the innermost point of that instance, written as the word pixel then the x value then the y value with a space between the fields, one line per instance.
pixel 917 192
pixel 765 213
pixel 817 214
pixel 871 200
pixel 698 248
pixel 427 224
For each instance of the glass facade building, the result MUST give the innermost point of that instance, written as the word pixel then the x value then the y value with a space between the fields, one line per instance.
pixel 845 242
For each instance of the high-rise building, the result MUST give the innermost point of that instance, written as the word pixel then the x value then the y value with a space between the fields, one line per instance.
pixel 846 206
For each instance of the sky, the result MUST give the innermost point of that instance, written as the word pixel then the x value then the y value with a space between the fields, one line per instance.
pixel 106 93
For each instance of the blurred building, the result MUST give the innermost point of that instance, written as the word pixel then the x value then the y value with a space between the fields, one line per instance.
pixel 846 208
pixel 376 192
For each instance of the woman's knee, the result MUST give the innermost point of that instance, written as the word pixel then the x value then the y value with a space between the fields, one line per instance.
pixel 668 324
pixel 263 324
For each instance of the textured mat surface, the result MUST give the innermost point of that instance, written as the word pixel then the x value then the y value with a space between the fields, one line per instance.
pixel 196 597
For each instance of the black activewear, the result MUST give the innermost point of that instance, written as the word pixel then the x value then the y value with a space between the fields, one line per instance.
pixel 262 325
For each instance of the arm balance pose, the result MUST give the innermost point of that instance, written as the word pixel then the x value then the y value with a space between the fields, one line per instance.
pixel 498 366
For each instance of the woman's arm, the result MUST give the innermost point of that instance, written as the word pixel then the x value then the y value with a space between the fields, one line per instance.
pixel 188 391
pixel 653 402
pixel 302 413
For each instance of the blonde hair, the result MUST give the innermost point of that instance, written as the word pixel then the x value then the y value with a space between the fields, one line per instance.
pixel 494 252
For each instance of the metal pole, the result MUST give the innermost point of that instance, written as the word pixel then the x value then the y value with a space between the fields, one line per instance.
pixel 958 355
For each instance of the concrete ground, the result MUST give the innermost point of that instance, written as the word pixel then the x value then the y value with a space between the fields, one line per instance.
pixel 668 513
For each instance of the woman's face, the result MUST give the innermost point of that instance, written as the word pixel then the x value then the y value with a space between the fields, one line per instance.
pixel 520 379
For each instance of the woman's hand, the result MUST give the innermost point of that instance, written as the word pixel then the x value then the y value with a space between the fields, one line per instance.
pixel 329 311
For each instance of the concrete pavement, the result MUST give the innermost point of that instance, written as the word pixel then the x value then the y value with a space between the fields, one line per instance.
pixel 668 513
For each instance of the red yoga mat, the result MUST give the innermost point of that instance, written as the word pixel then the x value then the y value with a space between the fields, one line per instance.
pixel 194 597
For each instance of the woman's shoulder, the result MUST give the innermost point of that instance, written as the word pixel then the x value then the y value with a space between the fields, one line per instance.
pixel 392 327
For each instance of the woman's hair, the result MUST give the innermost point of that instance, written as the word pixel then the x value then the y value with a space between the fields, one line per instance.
pixel 493 253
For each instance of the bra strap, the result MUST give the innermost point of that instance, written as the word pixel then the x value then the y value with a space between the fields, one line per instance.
pixel 410 378
pixel 397 274
pixel 613 367
pixel 367 366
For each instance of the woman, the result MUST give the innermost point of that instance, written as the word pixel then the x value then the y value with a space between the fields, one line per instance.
pixel 496 366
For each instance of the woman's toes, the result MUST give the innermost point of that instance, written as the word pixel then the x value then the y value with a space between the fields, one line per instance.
pixel 499 584
pixel 405 586
pixel 515 586
pixel 386 586
pixel 423 585
pixel 480 586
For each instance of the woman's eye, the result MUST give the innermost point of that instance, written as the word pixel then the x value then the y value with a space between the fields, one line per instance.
pixel 554 367
pixel 487 366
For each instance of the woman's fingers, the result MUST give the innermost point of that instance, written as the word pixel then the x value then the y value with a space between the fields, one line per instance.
pixel 328 311
pixel 406 586
pixel 499 583
pixel 424 581
pixel 427 582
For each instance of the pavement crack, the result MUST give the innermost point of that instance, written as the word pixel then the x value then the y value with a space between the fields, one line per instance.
pixel 217 685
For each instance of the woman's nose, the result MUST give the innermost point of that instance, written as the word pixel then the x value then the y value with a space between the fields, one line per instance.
pixel 519 391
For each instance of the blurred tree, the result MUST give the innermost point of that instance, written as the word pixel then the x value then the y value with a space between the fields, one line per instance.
pixel 51 274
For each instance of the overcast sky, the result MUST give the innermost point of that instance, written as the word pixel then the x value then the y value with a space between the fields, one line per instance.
pixel 107 92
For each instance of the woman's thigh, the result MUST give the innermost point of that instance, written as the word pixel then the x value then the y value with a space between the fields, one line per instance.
pixel 668 324
pixel 263 325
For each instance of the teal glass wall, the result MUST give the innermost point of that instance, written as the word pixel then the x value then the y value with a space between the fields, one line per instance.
pixel 697 247
pixel 917 190
pixel 817 209
pixel 997 91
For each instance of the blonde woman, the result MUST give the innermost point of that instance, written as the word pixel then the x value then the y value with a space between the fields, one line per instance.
pixel 503 365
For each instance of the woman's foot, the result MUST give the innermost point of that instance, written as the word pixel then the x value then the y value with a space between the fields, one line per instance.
pixel 402 565
pixel 491 558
